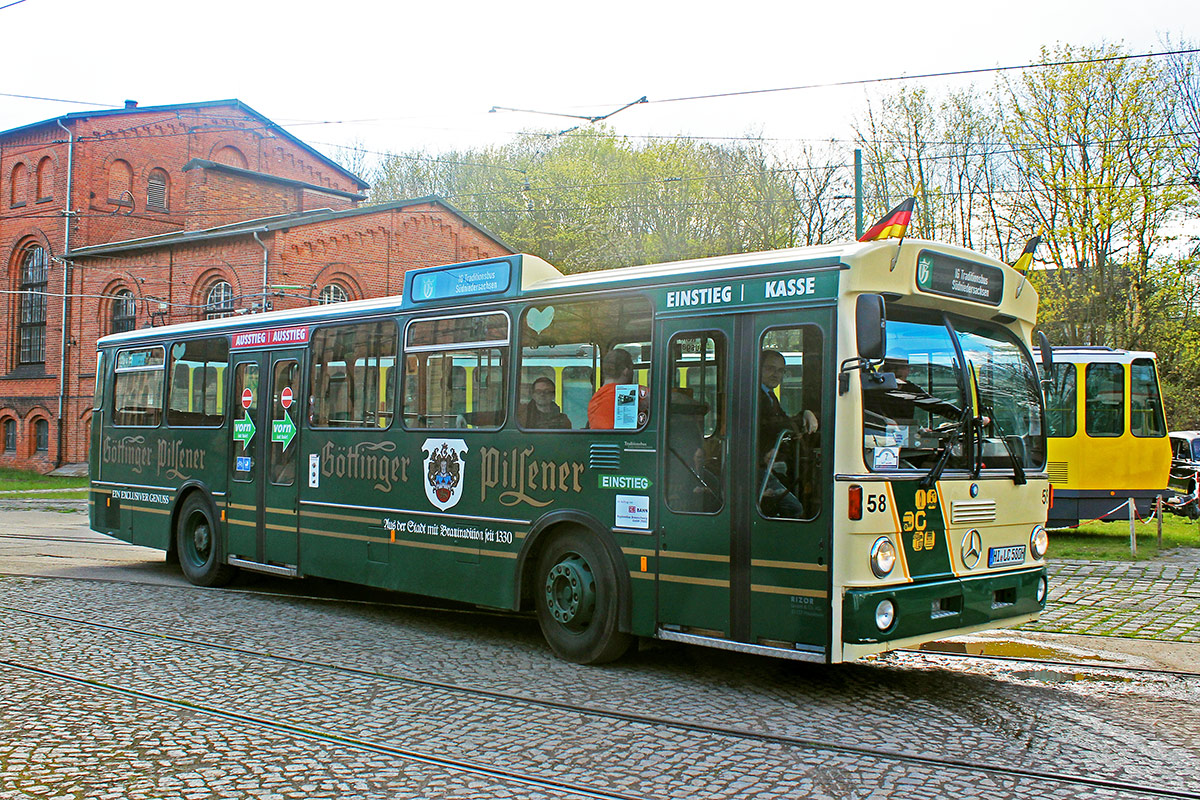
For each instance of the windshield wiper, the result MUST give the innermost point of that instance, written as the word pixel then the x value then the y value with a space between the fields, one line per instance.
pixel 935 472
pixel 1018 470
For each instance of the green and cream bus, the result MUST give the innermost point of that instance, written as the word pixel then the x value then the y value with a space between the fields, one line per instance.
pixel 817 453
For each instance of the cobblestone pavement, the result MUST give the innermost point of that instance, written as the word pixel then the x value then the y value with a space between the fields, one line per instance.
pixel 993 718
pixel 1157 599
pixel 503 705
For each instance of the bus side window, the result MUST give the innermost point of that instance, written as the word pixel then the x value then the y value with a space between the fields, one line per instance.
pixel 455 371
pixel 567 344
pixel 352 368
pixel 1104 403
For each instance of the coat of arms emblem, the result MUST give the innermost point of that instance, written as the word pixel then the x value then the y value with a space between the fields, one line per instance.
pixel 444 464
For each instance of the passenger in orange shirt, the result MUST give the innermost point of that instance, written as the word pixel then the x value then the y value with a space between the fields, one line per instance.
pixel 616 369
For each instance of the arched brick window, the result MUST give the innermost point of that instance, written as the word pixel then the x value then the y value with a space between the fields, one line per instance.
pixel 230 156
pixel 332 293
pixel 219 302
pixel 156 190
pixel 120 183
pixel 16 185
pixel 31 307
pixel 10 435
pixel 124 312
pixel 45 179
pixel 41 435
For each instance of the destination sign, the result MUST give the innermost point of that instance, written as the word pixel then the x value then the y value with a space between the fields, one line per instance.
pixel 475 279
pixel 938 273
pixel 273 337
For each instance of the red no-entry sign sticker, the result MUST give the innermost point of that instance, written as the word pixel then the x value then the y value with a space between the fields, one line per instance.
pixel 285 397
pixel 247 398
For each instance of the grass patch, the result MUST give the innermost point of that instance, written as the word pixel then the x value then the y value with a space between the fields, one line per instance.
pixel 18 480
pixel 1109 541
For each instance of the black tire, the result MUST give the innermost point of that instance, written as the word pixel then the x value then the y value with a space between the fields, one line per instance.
pixel 578 599
pixel 198 544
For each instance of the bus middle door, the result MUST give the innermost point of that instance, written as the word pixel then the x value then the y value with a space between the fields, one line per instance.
pixel 264 461
pixel 694 520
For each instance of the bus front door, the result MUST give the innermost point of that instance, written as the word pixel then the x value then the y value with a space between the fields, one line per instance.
pixel 743 548
pixel 782 554
pixel 261 507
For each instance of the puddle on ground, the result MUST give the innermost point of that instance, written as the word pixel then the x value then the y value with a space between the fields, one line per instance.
pixel 1013 649
pixel 1050 676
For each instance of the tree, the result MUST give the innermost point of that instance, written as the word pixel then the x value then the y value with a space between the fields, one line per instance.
pixel 1092 145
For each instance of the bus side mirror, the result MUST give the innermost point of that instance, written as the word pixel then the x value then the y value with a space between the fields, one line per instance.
pixel 1046 352
pixel 871 327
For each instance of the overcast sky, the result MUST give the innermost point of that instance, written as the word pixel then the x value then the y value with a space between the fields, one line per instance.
pixel 403 75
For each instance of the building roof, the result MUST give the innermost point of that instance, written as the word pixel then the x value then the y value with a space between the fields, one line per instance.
pixel 233 102
pixel 200 163
pixel 269 224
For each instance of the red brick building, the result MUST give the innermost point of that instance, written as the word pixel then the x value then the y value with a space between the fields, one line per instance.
pixel 117 219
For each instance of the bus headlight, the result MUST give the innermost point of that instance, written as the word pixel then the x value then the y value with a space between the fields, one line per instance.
pixel 1041 589
pixel 1039 542
pixel 883 556
pixel 885 614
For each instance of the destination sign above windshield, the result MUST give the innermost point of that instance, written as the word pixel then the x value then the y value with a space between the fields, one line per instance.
pixel 471 280
pixel 938 273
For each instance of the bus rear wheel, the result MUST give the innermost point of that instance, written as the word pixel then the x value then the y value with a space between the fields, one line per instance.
pixel 577 600
pixel 198 546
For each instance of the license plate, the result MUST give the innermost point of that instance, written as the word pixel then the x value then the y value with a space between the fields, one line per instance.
pixel 1001 556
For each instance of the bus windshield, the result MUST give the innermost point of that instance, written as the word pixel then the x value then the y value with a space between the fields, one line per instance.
pixel 916 416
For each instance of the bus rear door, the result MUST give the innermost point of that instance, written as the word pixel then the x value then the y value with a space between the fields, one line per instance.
pixel 261 519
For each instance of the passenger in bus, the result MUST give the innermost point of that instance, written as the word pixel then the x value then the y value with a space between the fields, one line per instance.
pixel 541 411
pixel 616 369
pixel 900 405
pixel 778 495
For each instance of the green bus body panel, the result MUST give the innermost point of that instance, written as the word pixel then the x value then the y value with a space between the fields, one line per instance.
pixel 374 506
pixel 930 607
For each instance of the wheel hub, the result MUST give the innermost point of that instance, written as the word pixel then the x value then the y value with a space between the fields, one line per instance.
pixel 201 539
pixel 571 592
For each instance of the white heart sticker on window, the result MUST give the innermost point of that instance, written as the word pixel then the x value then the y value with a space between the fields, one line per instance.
pixel 539 320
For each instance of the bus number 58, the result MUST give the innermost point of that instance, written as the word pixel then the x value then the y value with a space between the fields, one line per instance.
pixel 876 502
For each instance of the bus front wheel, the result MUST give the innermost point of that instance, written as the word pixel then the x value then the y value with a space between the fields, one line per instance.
pixel 577 600
pixel 197 545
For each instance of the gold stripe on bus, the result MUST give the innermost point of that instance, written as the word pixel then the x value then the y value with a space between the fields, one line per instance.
pixel 714 557
pixel 765 562
pixel 756 587
pixel 289 511
pixel 242 522
pixel 285 528
pixel 100 491
pixel 403 543
pixel 148 510
pixel 343 517
pixel 718 583
pixel 639 551
pixel 241 507
pixel 646 576
pixel 899 543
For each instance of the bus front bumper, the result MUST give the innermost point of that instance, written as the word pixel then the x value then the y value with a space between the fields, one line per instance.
pixel 925 609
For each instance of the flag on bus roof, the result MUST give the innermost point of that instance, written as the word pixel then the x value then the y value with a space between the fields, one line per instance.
pixel 893 224
pixel 1026 258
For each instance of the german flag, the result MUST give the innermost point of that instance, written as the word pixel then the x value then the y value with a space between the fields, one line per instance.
pixel 1026 259
pixel 893 224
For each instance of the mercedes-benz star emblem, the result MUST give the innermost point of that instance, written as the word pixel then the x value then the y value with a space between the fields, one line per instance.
pixel 972 548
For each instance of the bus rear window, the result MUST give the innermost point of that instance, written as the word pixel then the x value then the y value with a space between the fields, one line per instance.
pixel 138 387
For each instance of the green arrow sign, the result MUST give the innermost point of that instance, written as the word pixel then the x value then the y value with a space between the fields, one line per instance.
pixel 243 430
pixel 282 430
